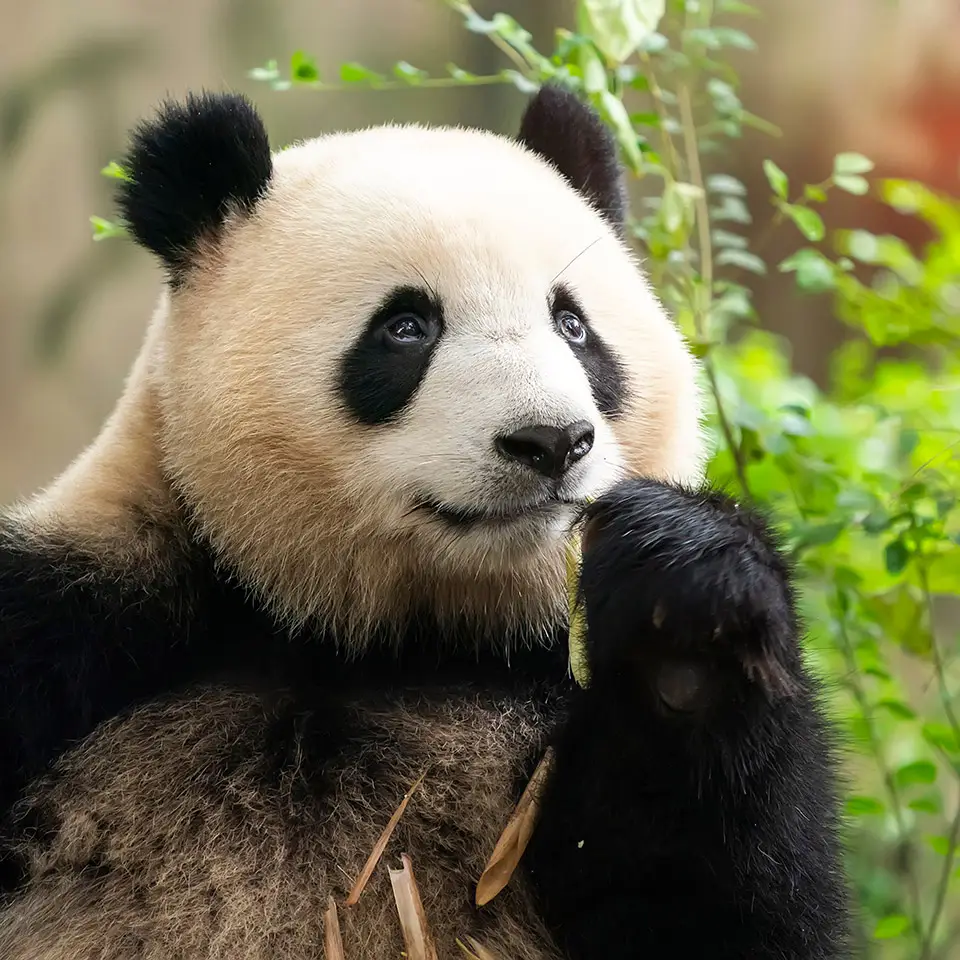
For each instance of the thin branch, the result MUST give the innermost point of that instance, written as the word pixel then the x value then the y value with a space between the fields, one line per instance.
pixel 427 83
pixel 466 10
pixel 889 783
pixel 947 703
pixel 704 300
pixel 942 886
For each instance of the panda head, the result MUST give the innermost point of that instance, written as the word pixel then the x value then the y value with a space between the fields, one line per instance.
pixel 390 365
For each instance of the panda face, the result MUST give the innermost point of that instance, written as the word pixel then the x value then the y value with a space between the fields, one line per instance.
pixel 395 379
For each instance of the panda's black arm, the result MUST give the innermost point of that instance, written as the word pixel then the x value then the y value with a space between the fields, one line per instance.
pixel 692 812
pixel 83 636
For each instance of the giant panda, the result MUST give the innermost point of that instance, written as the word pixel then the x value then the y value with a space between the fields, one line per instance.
pixel 315 562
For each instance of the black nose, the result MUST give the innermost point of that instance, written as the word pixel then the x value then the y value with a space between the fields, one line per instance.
pixel 549 450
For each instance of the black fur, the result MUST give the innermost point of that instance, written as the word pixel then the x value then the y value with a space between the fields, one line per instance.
pixel 571 136
pixel 189 168
pixel 379 377
pixel 607 376
pixel 692 813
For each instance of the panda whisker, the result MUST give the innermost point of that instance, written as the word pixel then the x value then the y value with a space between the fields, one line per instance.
pixel 589 246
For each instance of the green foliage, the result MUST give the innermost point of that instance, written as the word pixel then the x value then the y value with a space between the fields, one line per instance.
pixel 862 474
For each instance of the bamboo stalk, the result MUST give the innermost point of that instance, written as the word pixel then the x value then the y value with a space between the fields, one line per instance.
pixel 413 921
pixel 332 941
pixel 380 846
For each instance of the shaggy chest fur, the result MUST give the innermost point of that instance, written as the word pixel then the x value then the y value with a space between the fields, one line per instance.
pixel 218 826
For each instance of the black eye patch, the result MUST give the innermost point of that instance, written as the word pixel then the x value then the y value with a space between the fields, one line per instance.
pixel 383 369
pixel 605 373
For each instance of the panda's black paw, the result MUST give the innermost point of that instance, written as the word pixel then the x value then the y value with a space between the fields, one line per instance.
pixel 690 590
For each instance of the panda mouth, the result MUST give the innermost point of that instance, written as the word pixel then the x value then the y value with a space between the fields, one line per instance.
pixel 462 517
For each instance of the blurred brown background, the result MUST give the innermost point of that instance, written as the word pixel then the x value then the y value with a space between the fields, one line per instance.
pixel 878 76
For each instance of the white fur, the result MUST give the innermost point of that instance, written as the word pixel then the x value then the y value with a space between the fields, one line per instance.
pixel 248 353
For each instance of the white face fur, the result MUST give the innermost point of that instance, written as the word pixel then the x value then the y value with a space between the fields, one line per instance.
pixel 330 488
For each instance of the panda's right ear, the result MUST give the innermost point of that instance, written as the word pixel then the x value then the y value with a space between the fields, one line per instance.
pixel 188 169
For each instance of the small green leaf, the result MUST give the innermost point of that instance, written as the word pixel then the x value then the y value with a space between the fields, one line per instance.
pixel 814 194
pixel 645 119
pixel 268 72
pixel 941 736
pixel 908 441
pixel 861 245
pixel 724 183
pixel 524 84
pixel 458 73
pixel 898 708
pixel 815 274
pixel 939 845
pixel 731 208
pixel 851 163
pixel 896 556
pixel 808 221
pixel 303 68
pixel 115 171
pixel 776 178
pixel 724 238
pixel 864 807
pixel 892 926
pixel 920 771
pixel 672 208
pixel 619 26
pixel 473 22
pixel 743 259
pixel 876 521
pixel 928 804
pixel 409 73
pixel 105 229
pixel 357 73
pixel 852 184
pixel 616 114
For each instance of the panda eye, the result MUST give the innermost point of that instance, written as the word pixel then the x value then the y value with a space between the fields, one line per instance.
pixel 407 328
pixel 571 326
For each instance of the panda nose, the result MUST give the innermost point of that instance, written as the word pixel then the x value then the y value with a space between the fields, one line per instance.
pixel 548 450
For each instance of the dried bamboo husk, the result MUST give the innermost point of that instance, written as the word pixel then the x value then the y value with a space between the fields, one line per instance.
pixel 515 837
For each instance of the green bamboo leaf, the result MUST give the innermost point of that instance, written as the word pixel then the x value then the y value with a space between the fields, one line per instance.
pixel 851 163
pixel 776 178
pixel 895 925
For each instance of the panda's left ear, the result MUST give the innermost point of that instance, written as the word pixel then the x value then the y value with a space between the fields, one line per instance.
pixel 567 133
pixel 188 169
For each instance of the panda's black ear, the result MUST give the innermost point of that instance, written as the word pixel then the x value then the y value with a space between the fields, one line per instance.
pixel 188 168
pixel 569 134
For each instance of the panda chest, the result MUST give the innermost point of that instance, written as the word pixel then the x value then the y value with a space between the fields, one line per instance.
pixel 221 817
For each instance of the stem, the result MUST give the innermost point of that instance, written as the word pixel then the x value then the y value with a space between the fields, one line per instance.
pixel 942 886
pixel 889 783
pixel 466 10
pixel 946 701
pixel 660 106
pixel 702 209
pixel 704 301
pixel 426 83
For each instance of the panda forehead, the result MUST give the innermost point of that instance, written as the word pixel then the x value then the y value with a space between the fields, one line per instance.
pixel 471 217
pixel 468 185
